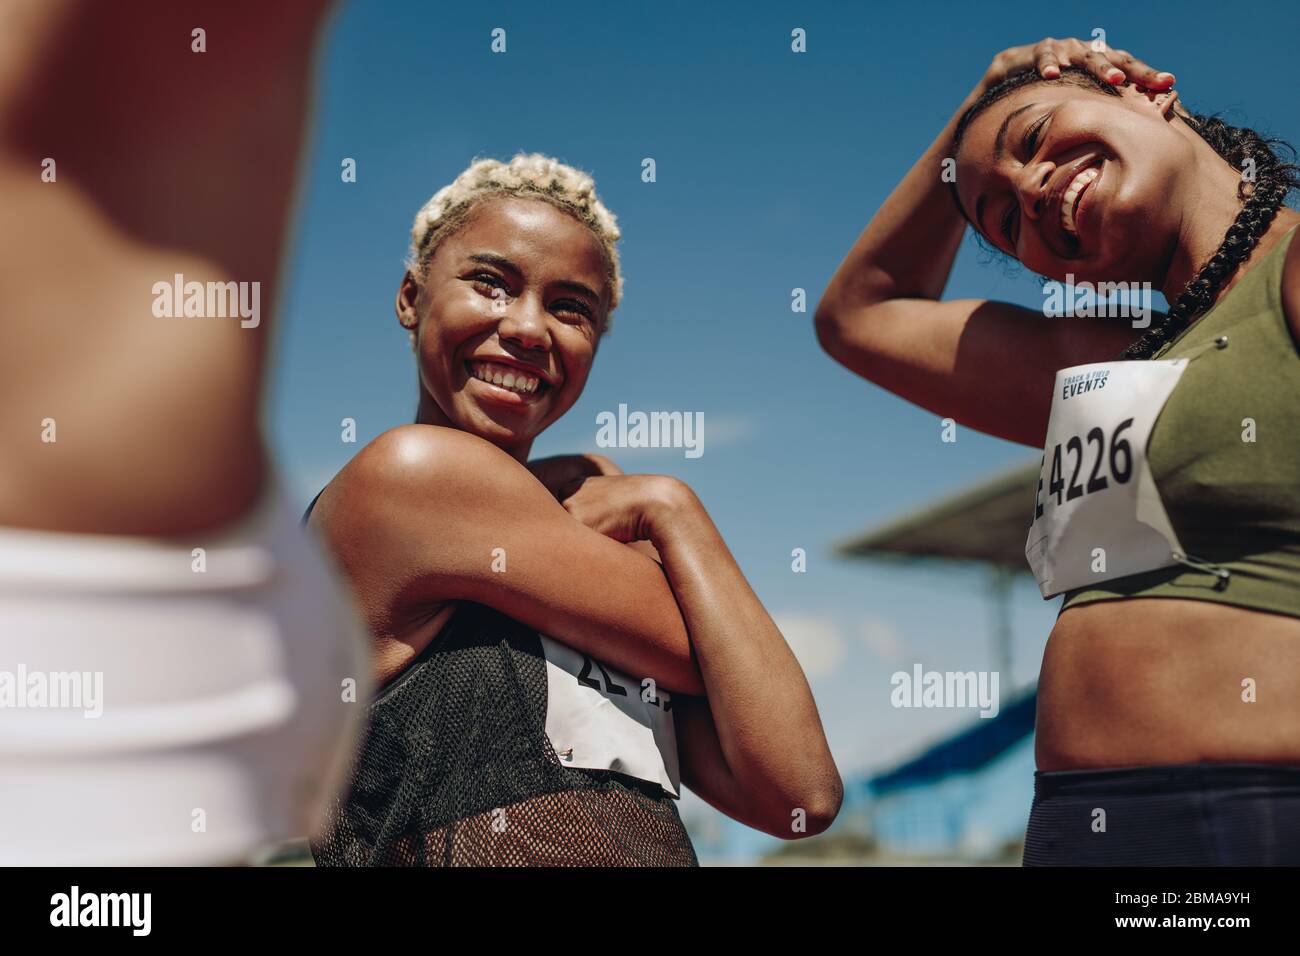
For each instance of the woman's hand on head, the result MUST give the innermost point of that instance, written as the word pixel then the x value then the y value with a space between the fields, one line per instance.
pixel 626 508
pixel 1048 57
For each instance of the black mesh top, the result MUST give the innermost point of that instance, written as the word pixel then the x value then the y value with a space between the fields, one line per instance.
pixel 457 770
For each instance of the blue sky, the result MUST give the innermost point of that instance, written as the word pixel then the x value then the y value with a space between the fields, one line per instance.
pixel 769 163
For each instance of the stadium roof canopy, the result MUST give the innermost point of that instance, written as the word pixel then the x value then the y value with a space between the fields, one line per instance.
pixel 982 741
pixel 987 524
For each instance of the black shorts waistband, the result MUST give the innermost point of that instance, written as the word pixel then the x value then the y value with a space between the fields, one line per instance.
pixel 1202 814
pixel 1165 778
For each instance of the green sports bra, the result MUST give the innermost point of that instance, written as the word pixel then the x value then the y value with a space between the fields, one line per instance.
pixel 1233 502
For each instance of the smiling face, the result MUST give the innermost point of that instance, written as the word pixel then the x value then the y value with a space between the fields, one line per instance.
pixel 509 314
pixel 1070 180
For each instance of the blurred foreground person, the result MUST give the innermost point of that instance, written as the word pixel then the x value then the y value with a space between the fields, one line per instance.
pixel 178 665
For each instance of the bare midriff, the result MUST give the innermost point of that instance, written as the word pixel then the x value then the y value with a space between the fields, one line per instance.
pixel 1151 681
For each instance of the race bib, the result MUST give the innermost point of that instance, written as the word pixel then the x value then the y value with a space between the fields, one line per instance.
pixel 598 718
pixel 1097 513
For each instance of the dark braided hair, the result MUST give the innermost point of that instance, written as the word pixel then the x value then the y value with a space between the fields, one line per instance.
pixel 1274 179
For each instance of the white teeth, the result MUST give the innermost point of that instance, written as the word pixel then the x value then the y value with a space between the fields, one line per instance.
pixel 1072 191
pixel 506 377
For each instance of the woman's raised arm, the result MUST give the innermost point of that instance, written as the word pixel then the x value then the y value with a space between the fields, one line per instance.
pixel 987 364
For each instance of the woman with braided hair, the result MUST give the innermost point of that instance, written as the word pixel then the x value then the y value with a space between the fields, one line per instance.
pixel 1168 509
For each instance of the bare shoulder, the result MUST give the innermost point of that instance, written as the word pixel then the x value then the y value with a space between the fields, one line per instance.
pixel 1291 288
pixel 411 454
pixel 413 465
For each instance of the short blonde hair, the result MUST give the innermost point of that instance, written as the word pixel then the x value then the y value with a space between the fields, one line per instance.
pixel 526 176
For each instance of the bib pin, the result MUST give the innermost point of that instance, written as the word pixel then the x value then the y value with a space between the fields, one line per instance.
pixel 1221 574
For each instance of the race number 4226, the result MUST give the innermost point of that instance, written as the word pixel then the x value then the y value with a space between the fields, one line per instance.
pixel 1097 457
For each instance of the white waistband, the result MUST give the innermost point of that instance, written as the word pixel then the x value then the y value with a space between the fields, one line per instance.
pixel 232 557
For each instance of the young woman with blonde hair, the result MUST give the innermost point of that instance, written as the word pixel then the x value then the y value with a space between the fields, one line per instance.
pixel 559 645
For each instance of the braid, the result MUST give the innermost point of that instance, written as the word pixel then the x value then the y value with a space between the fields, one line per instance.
pixel 1273 180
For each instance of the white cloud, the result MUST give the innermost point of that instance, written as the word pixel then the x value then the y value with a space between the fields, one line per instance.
pixel 729 429
pixel 816 641
pixel 883 638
